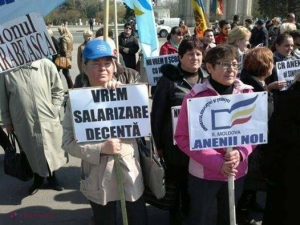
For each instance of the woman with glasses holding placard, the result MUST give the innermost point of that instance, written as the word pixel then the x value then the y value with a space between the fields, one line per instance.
pixel 209 168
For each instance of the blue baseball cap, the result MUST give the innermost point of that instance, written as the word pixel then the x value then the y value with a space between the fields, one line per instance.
pixel 96 49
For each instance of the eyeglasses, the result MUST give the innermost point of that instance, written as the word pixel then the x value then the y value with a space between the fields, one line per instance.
pixel 226 65
pixel 95 65
pixel 128 28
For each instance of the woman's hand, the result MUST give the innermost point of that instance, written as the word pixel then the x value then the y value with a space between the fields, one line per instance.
pixel 277 85
pixel 112 84
pixel 111 146
pixel 232 160
pixel 228 170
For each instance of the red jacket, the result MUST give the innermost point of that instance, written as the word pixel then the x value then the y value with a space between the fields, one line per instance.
pixel 167 49
pixel 221 39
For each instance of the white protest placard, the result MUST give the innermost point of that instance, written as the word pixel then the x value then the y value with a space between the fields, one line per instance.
pixel 175 110
pixel 153 64
pixel 287 70
pixel 23 40
pixel 99 114
pixel 228 120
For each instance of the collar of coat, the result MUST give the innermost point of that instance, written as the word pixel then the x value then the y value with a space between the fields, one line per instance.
pixel 173 72
pixel 239 87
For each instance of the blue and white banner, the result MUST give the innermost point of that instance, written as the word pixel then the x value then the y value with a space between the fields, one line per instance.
pixel 11 9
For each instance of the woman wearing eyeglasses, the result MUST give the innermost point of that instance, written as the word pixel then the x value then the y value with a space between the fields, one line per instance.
pixel 209 168
pixel 128 46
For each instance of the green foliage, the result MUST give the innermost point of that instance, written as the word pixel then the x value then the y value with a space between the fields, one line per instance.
pixel 272 8
pixel 73 10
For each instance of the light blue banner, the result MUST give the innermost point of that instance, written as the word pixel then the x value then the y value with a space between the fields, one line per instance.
pixel 11 9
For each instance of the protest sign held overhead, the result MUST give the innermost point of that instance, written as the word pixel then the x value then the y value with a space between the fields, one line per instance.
pixel 24 40
pixel 287 70
pixel 99 114
pixel 228 120
pixel 153 64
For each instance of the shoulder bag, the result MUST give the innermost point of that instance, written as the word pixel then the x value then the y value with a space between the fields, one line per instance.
pixel 158 191
pixel 62 62
pixel 16 163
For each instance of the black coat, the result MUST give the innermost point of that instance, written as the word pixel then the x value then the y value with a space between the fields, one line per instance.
pixel 254 178
pixel 170 91
pixel 130 42
pixel 282 153
pixel 259 36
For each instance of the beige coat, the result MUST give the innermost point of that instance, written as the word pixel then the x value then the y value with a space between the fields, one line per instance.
pixel 99 182
pixel 30 99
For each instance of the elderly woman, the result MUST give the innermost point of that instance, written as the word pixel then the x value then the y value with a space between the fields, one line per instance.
pixel 97 157
pixel 173 40
pixel 209 168
pixel 255 75
pixel 66 47
pixel 176 82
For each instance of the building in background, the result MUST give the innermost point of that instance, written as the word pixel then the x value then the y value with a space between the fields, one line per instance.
pixel 230 8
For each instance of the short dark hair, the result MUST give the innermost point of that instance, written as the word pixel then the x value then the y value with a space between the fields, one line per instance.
pixel 236 17
pixel 222 23
pixel 127 25
pixel 100 32
pixel 208 30
pixel 188 44
pixel 175 30
pixel 250 21
pixel 219 52
pixel 295 34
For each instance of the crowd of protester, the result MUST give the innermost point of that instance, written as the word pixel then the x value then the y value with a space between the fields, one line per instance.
pixel 231 58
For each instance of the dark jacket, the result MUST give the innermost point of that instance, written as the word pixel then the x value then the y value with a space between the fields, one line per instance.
pixel 254 178
pixel 130 42
pixel 281 154
pixel 170 91
pixel 259 36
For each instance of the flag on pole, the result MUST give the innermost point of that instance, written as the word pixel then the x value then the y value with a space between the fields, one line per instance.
pixel 200 17
pixel 11 9
pixel 145 21
pixel 220 8
pixel 217 7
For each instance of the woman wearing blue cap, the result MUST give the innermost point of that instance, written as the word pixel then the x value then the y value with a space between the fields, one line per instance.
pixel 99 181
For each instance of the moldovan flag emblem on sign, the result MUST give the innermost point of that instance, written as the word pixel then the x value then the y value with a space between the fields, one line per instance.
pixel 200 17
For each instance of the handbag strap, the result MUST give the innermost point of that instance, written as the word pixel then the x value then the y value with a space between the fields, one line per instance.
pixel 14 141
pixel 153 150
